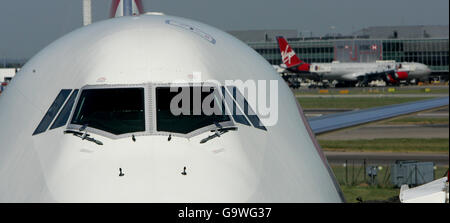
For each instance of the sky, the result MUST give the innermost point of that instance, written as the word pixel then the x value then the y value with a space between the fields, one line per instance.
pixel 27 26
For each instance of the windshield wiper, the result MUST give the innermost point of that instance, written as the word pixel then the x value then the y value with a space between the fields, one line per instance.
pixel 220 130
pixel 83 135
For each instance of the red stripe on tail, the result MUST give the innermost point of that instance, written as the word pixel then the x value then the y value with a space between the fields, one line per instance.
pixel 114 5
pixel 140 6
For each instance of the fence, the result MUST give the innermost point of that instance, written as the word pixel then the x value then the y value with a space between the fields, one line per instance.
pixel 365 172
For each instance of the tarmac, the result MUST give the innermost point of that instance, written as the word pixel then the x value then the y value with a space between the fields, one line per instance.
pixel 383 130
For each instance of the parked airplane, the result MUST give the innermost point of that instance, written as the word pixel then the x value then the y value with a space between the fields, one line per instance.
pixel 352 73
pixel 88 119
pixel 432 192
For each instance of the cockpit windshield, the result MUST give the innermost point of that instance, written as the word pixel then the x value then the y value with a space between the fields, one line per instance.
pixel 114 110
pixel 197 108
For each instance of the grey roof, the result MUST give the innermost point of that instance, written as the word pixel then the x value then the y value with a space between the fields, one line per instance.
pixel 263 35
pixel 405 32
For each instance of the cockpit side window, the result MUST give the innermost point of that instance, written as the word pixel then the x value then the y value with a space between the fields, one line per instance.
pixel 248 111
pixel 52 111
pixel 63 116
pixel 196 118
pixel 238 116
pixel 114 110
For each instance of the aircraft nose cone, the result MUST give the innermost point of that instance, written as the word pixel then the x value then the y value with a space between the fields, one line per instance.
pixel 425 70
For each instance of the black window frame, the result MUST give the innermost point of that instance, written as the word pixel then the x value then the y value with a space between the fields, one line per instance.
pixel 150 111
pixel 249 112
pixel 198 131
pixel 74 126
pixel 63 116
pixel 52 111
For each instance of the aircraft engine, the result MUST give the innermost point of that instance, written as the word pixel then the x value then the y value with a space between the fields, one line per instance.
pixel 401 75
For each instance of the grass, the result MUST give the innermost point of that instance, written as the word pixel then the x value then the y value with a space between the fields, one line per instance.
pixel 437 145
pixel 353 174
pixel 355 185
pixel 353 103
pixel 419 120
pixel 369 193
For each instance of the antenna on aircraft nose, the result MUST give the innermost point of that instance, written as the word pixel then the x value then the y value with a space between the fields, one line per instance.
pixel 82 128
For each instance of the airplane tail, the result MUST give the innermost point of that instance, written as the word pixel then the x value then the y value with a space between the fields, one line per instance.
pixel 114 6
pixel 137 7
pixel 288 55
pixel 290 59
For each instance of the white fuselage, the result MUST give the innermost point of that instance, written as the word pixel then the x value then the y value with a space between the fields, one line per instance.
pixel 282 164
pixel 351 71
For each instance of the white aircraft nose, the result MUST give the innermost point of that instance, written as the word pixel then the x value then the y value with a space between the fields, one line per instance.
pixel 151 170
pixel 424 70
pixel 427 70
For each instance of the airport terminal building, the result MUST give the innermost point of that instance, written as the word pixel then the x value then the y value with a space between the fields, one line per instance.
pixel 423 44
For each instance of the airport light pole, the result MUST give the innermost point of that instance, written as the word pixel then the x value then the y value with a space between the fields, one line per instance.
pixel 87 12
pixel 333 31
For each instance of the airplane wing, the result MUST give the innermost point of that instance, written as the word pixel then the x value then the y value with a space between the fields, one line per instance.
pixel 333 122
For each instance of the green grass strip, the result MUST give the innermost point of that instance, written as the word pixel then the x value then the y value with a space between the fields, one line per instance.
pixel 354 184
pixel 419 120
pixel 438 145
pixel 369 193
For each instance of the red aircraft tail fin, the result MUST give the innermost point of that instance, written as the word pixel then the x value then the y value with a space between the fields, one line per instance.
pixel 140 6
pixel 114 6
pixel 288 55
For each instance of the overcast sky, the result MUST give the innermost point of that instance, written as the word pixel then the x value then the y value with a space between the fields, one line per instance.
pixel 27 26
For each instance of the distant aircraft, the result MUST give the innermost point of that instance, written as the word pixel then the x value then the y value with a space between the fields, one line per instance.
pixel 359 74
pixel 88 119
pixel 432 192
